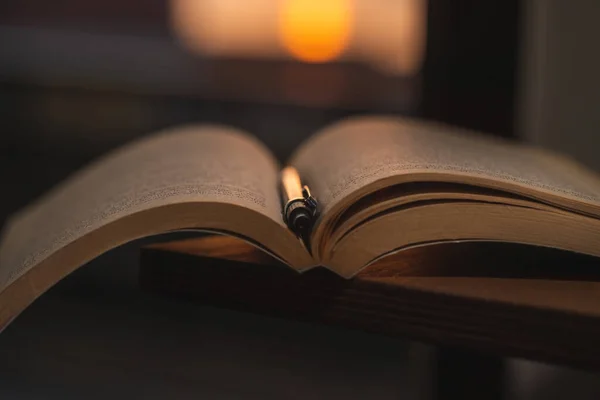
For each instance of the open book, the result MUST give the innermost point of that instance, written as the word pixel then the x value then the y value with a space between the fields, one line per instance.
pixel 376 185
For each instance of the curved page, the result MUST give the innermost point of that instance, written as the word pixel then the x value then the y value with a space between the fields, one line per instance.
pixel 353 158
pixel 435 222
pixel 207 177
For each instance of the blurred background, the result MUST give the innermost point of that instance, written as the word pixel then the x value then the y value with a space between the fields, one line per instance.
pixel 78 78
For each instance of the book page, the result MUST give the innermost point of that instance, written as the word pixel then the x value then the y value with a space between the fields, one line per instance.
pixel 184 165
pixel 352 154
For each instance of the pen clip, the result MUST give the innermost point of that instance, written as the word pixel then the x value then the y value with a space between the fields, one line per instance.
pixel 309 200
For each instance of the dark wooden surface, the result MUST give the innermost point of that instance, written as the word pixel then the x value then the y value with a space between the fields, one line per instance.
pixel 460 374
pixel 507 300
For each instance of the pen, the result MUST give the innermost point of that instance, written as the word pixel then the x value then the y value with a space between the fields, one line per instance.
pixel 299 206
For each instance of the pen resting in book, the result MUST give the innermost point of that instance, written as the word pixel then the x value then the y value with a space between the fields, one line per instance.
pixel 299 206
pixel 383 184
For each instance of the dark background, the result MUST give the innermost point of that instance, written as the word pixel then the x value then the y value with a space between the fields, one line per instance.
pixel 80 78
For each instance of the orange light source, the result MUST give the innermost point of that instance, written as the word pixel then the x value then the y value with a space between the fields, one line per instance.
pixel 315 30
pixel 389 35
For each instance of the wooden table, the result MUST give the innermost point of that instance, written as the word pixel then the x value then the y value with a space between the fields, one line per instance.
pixel 477 302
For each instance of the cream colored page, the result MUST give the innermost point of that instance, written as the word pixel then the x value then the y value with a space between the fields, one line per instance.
pixel 182 165
pixel 356 152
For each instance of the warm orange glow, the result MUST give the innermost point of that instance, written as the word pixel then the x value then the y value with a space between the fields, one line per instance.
pixel 389 35
pixel 238 28
pixel 315 30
